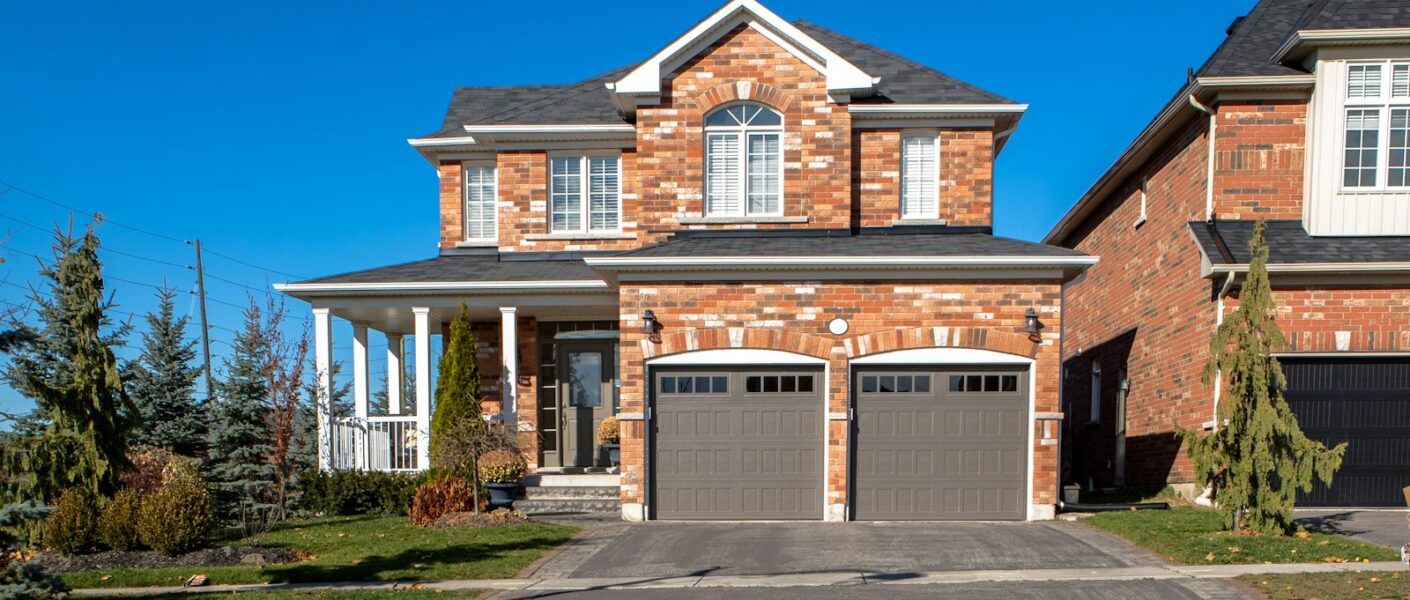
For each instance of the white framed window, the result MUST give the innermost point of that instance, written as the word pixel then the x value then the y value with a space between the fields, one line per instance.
pixel 1141 218
pixel 920 175
pixel 585 193
pixel 744 161
pixel 1376 126
pixel 481 219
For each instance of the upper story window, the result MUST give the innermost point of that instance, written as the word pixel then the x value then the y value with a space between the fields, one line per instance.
pixel 743 161
pixel 1376 154
pixel 480 200
pixel 585 193
pixel 920 176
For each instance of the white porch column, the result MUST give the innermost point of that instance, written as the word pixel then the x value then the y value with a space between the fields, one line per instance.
pixel 423 387
pixel 509 352
pixel 322 360
pixel 359 357
pixel 395 345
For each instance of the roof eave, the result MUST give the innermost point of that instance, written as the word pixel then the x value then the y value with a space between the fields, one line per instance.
pixel 1302 43
pixel 306 290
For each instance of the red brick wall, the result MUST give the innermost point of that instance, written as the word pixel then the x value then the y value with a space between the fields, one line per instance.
pixel 883 316
pixel 490 360
pixel 1370 318
pixel 1144 307
pixel 1259 159
pixel 966 176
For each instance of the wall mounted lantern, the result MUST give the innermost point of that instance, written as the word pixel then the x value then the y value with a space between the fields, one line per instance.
pixel 1031 322
pixel 648 322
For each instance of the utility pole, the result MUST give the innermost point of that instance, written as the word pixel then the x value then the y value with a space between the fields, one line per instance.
pixel 205 326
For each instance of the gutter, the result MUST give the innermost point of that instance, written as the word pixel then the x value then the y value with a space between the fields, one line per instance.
pixel 295 289
pixel 1337 268
pixel 1309 38
pixel 628 262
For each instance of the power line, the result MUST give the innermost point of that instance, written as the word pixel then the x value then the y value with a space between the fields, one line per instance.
pixel 140 257
pixel 252 265
pixel 88 214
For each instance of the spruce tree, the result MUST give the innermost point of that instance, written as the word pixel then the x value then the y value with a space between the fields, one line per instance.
pixel 458 386
pixel 68 368
pixel 164 384
pixel 240 438
pixel 1257 458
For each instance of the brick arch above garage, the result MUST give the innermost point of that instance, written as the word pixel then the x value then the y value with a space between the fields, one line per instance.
pixel 822 347
pixel 914 338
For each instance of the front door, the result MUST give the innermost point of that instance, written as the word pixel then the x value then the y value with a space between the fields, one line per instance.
pixel 586 395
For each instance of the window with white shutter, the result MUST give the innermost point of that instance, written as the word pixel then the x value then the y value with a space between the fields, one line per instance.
pixel 1376 135
pixel 920 176
pixel 585 193
pixel 744 161
pixel 480 201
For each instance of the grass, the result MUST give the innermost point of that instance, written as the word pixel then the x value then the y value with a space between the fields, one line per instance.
pixel 1192 536
pixel 427 593
pixel 1133 495
pixel 365 549
pixel 1331 586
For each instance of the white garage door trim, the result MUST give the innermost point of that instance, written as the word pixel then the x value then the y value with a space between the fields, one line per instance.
pixel 749 357
pixel 969 356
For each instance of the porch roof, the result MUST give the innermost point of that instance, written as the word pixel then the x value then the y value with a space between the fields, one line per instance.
pixel 461 273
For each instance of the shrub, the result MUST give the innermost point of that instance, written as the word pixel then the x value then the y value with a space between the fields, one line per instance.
pixel 177 518
pixel 356 492
pixel 154 467
pixel 438 497
pixel 609 431
pixel 18 578
pixel 502 466
pixel 117 524
pixel 70 528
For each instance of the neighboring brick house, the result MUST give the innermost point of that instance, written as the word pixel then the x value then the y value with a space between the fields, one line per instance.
pixel 1308 106
pixel 767 250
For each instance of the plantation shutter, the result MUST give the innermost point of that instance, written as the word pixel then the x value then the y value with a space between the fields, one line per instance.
pixel 722 175
pixel 565 211
pixel 763 173
pixel 604 193
pixel 479 203
pixel 1363 81
pixel 919 177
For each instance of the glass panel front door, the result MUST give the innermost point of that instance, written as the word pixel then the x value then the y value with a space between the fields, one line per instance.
pixel 587 381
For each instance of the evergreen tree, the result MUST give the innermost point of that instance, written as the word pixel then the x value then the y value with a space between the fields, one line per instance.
pixel 164 384
pixel 1257 458
pixel 240 439
pixel 68 368
pixel 305 448
pixel 458 386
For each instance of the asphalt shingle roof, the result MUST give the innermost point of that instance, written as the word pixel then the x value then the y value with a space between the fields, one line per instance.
pixel 589 103
pixel 1289 243
pixel 940 244
pixel 456 268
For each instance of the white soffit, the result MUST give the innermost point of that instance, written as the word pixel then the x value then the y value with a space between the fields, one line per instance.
pixel 843 77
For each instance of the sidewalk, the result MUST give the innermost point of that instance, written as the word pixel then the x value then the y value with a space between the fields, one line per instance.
pixel 794 579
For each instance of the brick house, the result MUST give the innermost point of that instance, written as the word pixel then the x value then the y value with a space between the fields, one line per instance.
pixel 1298 118
pixel 765 249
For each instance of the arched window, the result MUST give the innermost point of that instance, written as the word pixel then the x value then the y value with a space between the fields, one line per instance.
pixel 743 161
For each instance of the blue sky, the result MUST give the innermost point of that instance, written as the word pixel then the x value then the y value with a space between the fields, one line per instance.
pixel 275 132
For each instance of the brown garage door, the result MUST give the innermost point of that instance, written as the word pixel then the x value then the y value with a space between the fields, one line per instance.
pixel 738 443
pixel 941 443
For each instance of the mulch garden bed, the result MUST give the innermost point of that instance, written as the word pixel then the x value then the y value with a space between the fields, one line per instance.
pixel 212 557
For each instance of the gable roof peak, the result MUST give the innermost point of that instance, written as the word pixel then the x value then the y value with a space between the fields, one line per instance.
pixel 642 85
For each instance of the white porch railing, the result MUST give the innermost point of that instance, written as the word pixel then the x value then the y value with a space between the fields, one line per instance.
pixel 389 442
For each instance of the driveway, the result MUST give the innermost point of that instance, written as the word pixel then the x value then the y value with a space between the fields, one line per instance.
pixel 1385 527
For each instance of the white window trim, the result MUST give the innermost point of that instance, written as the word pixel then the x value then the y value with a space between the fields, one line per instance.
pixel 1384 103
pixel 585 200
pixel 465 202
pixel 742 132
pixel 1141 219
pixel 932 215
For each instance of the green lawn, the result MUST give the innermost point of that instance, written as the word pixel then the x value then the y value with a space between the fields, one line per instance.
pixel 1192 536
pixel 407 594
pixel 366 549
pixel 1331 586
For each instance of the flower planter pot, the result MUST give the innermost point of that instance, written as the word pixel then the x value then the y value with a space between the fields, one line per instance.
pixel 501 494
pixel 614 453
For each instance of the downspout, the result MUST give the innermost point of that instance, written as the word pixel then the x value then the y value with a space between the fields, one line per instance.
pixel 1207 498
pixel 1209 173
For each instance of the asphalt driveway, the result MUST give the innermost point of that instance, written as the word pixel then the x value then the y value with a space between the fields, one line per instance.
pixel 683 549
pixel 1385 527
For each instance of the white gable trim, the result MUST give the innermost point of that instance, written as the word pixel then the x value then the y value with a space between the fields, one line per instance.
pixel 642 86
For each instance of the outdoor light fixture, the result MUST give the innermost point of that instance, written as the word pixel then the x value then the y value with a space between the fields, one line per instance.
pixel 1032 324
pixel 648 322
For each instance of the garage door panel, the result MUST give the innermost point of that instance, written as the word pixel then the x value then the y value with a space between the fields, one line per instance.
pixel 758 454
pixel 941 452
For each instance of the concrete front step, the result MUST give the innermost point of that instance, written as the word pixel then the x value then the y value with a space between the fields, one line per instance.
pixel 542 479
pixel 563 492
pixel 569 505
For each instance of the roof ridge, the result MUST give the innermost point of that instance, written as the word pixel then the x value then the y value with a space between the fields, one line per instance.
pixel 884 53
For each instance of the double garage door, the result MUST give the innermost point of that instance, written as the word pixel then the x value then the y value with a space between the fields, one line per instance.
pixel 928 443
pixel 1364 402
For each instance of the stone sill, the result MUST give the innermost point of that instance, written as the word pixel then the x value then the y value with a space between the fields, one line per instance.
pixel 739 220
pixel 477 245
pixel 542 237
pixel 904 222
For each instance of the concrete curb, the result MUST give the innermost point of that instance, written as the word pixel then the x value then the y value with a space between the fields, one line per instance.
pixel 830 578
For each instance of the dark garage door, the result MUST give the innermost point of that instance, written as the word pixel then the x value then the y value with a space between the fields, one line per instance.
pixel 1366 403
pixel 941 444
pixel 738 443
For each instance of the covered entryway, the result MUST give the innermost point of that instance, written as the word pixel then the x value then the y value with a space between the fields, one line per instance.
pixel 735 442
pixel 940 442
pixel 1365 402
